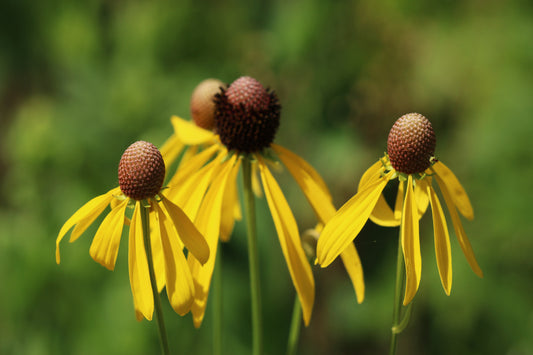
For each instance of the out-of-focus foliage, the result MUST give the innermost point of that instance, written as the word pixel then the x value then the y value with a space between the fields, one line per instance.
pixel 81 80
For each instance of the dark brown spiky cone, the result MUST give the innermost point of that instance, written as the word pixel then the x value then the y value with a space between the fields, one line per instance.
pixel 203 104
pixel 411 144
pixel 141 171
pixel 247 115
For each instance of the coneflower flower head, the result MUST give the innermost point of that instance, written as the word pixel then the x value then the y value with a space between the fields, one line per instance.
pixel 203 104
pixel 411 144
pixel 141 171
pixel 247 116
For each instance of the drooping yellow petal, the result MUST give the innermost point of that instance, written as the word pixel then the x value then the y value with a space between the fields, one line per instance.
pixel 179 282
pixel 189 133
pixel 421 196
pixel 208 220
pixel 171 149
pixel 304 167
pixel 382 214
pixel 353 266
pixel 187 170
pixel 289 238
pixel 187 231
pixel 458 227
pixel 344 226
pixel 158 258
pixel 231 209
pixel 84 216
pixel 310 182
pixel 190 192
pixel 398 204
pixel 442 241
pixel 104 248
pixel 410 243
pixel 141 288
pixel 455 189
pixel 256 184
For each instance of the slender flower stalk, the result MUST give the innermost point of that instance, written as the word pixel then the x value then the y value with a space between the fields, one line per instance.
pixel 253 258
pixel 294 332
pixel 145 222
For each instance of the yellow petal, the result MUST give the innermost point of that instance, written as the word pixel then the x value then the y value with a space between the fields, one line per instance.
pixel 187 169
pixel 289 238
pixel 410 243
pixel 382 213
pixel 421 196
pixel 104 248
pixel 442 241
pixel 179 282
pixel 398 205
pixel 190 192
pixel 189 133
pixel 187 231
pixel 310 182
pixel 344 226
pixel 353 266
pixel 171 149
pixel 456 191
pixel 158 258
pixel 84 216
pixel 141 288
pixel 256 184
pixel 458 227
pixel 231 209
pixel 208 220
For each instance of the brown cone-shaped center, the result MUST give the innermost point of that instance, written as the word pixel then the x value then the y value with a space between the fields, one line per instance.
pixel 141 171
pixel 246 116
pixel 203 104
pixel 411 144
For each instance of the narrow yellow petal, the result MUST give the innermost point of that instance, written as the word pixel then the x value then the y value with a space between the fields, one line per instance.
pixel 256 184
pixel 353 266
pixel 289 238
pixel 157 248
pixel 190 193
pixel 208 220
pixel 421 196
pixel 84 216
pixel 189 133
pixel 179 282
pixel 141 288
pixel 442 241
pixel 410 243
pixel 187 231
pixel 455 189
pixel 171 149
pixel 104 248
pixel 312 185
pixel 191 166
pixel 458 227
pixel 398 205
pixel 231 209
pixel 344 226
pixel 382 214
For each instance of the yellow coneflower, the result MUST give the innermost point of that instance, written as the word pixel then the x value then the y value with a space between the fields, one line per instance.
pixel 410 158
pixel 141 172
pixel 246 119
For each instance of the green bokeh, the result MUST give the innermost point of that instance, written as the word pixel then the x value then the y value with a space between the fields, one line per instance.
pixel 80 81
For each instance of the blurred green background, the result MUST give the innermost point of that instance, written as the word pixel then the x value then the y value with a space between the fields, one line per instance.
pixel 80 81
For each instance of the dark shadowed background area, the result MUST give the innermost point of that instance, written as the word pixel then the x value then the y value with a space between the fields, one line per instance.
pixel 80 81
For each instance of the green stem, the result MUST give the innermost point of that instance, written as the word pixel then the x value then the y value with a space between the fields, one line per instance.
pixel 145 221
pixel 253 258
pixel 296 322
pixel 400 279
pixel 217 305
